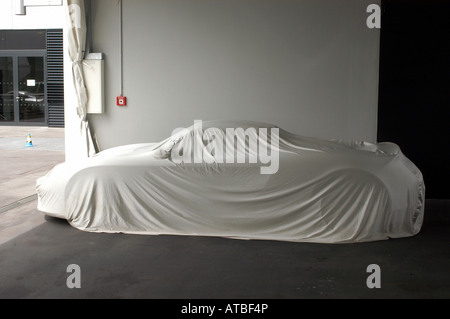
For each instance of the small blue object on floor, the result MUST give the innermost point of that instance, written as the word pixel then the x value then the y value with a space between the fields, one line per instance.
pixel 29 142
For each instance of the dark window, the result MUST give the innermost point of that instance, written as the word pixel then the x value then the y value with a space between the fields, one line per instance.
pixel 22 40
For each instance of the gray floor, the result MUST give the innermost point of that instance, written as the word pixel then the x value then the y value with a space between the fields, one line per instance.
pixel 35 252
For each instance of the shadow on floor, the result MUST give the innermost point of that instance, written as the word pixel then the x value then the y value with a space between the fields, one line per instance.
pixel 34 265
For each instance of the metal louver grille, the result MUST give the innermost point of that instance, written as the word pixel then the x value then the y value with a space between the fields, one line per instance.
pixel 55 78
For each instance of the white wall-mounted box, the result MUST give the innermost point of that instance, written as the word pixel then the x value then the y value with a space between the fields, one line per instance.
pixel 93 71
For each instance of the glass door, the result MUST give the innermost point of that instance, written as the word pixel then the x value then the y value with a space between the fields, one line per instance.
pixel 23 88
pixel 31 89
pixel 6 89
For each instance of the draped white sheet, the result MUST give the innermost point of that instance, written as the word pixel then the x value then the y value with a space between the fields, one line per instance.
pixel 75 32
pixel 323 191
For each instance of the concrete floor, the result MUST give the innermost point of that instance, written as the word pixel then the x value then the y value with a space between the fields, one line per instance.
pixel 35 252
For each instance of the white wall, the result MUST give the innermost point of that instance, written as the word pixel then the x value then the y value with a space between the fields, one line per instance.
pixel 36 17
pixel 309 66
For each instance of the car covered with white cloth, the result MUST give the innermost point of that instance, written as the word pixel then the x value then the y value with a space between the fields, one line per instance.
pixel 245 180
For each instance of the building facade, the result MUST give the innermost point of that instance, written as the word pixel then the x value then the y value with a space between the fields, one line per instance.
pixel 31 63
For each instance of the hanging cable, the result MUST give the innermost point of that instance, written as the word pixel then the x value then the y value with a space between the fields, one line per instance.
pixel 121 48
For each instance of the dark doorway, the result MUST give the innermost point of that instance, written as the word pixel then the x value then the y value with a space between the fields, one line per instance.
pixel 32 77
pixel 414 91
pixel 22 87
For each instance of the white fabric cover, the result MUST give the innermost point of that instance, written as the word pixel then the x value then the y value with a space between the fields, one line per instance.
pixel 75 33
pixel 323 191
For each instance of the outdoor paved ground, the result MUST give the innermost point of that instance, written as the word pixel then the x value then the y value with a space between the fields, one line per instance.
pixel 20 166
